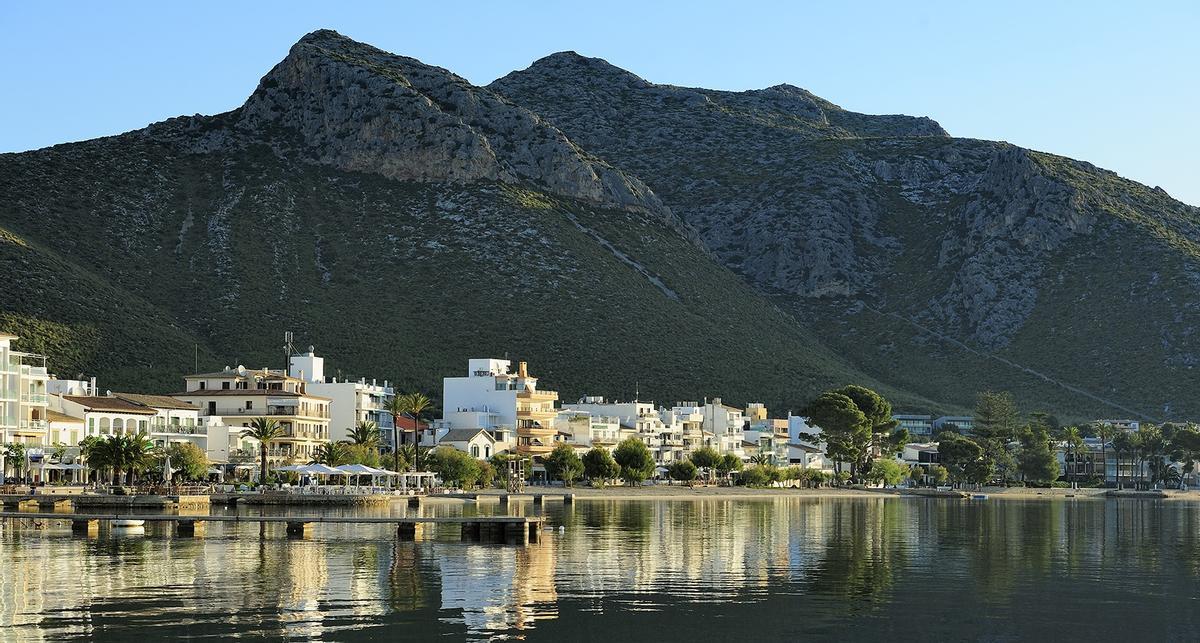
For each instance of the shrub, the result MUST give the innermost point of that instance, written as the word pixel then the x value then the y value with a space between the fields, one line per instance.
pixel 682 470
pixel 454 467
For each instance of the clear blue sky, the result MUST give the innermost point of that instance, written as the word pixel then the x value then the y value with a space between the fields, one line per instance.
pixel 1106 82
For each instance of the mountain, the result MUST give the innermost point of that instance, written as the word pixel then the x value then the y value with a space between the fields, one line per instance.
pixel 942 265
pixel 400 219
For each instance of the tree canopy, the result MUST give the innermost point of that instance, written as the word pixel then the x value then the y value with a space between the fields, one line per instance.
pixel 635 460
pixel 563 463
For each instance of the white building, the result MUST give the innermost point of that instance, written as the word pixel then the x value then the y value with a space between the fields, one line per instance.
pixel 351 402
pixel 726 423
pixel 478 443
pixel 585 430
pixel 23 401
pixel 640 419
pixel 500 402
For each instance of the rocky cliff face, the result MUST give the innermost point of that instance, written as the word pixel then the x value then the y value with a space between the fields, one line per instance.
pixel 348 105
pixel 965 243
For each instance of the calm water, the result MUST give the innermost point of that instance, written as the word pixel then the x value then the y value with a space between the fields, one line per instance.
pixel 857 569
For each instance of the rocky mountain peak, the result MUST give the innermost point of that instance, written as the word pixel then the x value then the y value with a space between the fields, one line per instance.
pixel 339 102
pixel 571 67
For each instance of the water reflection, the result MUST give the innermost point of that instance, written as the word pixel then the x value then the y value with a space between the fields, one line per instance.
pixel 776 568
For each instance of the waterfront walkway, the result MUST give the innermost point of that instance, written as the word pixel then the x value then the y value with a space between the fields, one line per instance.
pixel 501 529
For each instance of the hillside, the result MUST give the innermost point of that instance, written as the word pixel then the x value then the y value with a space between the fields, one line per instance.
pixel 942 265
pixel 399 219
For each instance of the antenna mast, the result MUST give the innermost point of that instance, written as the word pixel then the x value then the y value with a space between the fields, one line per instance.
pixel 288 350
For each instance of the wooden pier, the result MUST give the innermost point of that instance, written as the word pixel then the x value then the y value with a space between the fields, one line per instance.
pixel 515 530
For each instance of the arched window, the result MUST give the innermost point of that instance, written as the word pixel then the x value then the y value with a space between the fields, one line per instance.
pixel 118 426
pixel 104 426
pixel 474 450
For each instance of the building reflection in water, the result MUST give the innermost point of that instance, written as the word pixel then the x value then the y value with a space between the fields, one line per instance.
pixel 613 558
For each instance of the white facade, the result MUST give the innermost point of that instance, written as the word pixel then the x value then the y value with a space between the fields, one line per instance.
pixel 641 419
pixel 477 443
pixel 351 402
pixel 503 403
pixel 586 430
pixel 23 401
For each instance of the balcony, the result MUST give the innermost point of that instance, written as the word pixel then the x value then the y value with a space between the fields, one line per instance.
pixel 35 398
pixel 178 429
pixel 33 425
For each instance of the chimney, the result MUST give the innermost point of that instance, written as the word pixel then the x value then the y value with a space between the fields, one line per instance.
pixel 522 369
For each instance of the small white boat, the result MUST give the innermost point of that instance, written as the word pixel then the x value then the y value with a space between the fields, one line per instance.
pixel 128 523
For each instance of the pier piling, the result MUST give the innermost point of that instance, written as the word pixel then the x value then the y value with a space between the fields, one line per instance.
pixel 190 528
pixel 85 527
pixel 299 529
pixel 409 531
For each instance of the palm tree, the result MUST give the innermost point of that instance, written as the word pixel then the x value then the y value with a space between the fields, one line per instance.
pixel 395 407
pixel 365 433
pixel 1074 441
pixel 331 454
pixel 1104 431
pixel 760 459
pixel 266 431
pixel 137 454
pixel 415 404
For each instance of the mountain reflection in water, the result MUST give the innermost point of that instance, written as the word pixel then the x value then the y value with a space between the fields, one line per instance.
pixel 854 568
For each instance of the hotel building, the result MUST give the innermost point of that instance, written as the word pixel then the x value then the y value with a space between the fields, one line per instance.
pixel 238 395
pixel 492 398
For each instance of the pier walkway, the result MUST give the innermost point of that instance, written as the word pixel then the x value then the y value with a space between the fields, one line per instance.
pixel 518 530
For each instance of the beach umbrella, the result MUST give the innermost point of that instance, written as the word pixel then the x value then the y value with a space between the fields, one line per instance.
pixel 166 472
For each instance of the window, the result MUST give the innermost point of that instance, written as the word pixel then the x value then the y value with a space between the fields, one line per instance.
pixel 203 385
pixel 241 386
pixel 212 408
pixel 225 386
pixel 249 404
pixel 474 450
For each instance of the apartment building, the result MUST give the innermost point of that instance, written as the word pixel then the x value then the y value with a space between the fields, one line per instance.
pixel 494 399
pixel 351 401
pixel 236 396
pixel 23 399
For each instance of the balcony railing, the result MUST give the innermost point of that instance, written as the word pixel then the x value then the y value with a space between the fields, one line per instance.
pixel 33 425
pixel 270 410
pixel 178 428
pixel 35 398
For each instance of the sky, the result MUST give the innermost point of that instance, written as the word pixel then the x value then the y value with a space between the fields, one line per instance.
pixel 1100 81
